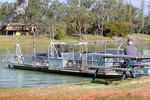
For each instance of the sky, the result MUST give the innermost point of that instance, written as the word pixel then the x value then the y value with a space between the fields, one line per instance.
pixel 136 3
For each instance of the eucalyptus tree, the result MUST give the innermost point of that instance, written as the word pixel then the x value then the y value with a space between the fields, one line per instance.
pixel 110 9
pixel 149 12
pixel 18 10
pixel 73 3
pixel 87 3
pixel 55 7
pixel 99 13
pixel 33 12
pixel 45 15
pixel 121 15
pixel 80 19
pixel 129 17
pixel 142 15
pixel 87 20
pixel 5 8
pixel 105 10
pixel 58 10
pixel 130 12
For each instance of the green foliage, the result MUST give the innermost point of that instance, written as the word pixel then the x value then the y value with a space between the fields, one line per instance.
pixel 59 34
pixel 5 8
pixel 2 32
pixel 23 33
pixel 106 81
pixel 80 16
pixel 80 20
pixel 87 3
pixel 60 31
pixel 148 29
pixel 116 29
pixel 131 27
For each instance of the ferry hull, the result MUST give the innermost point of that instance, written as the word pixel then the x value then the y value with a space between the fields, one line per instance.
pixel 64 71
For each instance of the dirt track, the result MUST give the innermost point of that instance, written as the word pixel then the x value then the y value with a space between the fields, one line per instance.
pixel 138 89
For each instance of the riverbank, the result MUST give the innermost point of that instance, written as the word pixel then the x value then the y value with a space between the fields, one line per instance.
pixel 44 39
pixel 138 88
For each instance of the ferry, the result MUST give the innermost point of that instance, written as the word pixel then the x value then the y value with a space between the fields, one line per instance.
pixel 72 58
pixel 66 58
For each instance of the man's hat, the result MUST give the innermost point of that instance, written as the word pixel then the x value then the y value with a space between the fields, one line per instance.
pixel 129 40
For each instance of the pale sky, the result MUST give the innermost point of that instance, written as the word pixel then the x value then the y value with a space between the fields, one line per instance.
pixel 136 3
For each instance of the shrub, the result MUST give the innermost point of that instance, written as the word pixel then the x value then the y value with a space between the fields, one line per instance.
pixel 60 31
pixel 59 34
pixel 131 27
pixel 2 32
pixel 116 29
pixel 148 29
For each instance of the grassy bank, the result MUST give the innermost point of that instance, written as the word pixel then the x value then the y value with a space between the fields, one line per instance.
pixel 138 88
pixel 43 39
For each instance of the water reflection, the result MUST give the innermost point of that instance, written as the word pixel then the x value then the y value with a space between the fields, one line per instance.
pixel 10 78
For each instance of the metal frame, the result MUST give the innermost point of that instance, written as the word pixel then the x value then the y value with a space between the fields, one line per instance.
pixel 127 64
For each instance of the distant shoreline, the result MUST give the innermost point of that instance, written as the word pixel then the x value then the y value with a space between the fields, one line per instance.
pixel 44 39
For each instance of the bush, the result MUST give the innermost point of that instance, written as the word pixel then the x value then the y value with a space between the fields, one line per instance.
pixel 116 29
pixel 59 34
pixel 148 29
pixel 131 27
pixel 2 32
pixel 60 31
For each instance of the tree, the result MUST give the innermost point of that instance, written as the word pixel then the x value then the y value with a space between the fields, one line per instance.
pixel 121 9
pixel 142 15
pixel 99 13
pixel 73 3
pixel 5 8
pixel 18 10
pixel 130 12
pixel 80 19
pixel 149 12
pixel 118 29
pixel 110 9
pixel 87 3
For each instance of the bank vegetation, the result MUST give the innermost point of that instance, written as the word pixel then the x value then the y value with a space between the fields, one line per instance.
pixel 106 18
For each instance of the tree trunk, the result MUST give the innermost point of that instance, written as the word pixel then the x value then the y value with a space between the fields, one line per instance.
pixel 102 30
pixel 80 27
pixel 130 12
pixel 99 27
pixel 80 33
pixel 20 9
pixel 85 33
pixel 149 13
pixel 142 16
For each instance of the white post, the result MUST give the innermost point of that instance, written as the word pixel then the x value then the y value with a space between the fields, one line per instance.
pixel 33 41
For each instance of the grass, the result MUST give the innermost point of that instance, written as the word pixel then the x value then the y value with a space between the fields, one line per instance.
pixel 75 91
pixel 44 39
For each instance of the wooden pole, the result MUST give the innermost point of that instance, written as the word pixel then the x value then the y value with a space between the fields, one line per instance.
pixel 95 46
pixel 33 40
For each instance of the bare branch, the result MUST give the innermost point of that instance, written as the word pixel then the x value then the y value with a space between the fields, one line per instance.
pixel 20 9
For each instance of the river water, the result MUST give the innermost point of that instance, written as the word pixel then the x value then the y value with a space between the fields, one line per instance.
pixel 14 78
